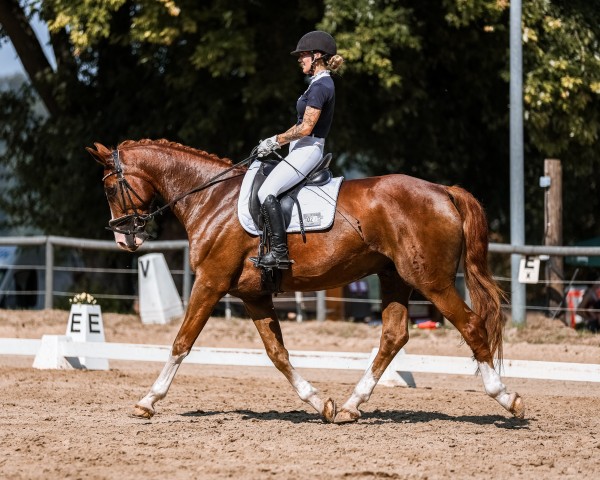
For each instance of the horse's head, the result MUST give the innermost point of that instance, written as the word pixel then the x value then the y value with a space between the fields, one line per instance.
pixel 129 197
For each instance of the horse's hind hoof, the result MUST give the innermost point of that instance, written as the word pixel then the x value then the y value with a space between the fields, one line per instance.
pixel 142 412
pixel 346 416
pixel 329 410
pixel 518 407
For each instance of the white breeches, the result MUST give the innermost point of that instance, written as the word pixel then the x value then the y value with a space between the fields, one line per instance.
pixel 304 155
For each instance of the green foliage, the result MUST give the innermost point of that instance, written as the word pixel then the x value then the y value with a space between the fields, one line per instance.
pixel 439 120
pixel 90 22
pixel 562 88
pixel 561 64
pixel 204 90
pixel 369 33
pixel 463 13
pixel 424 91
pixel 434 102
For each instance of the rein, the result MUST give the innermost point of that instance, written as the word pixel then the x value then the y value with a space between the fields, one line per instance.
pixel 135 223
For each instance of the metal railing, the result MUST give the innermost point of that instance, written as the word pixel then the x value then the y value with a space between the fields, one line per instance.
pixel 51 242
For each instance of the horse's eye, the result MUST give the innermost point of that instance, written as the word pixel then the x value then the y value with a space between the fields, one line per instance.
pixel 110 191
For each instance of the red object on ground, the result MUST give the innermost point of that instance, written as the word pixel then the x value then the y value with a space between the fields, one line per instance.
pixel 574 297
pixel 427 325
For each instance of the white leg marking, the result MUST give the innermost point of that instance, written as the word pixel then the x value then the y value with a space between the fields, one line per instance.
pixel 494 387
pixel 163 382
pixel 307 392
pixel 362 391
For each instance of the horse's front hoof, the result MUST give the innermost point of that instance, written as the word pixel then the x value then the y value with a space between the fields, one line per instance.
pixel 347 416
pixel 518 407
pixel 329 410
pixel 142 412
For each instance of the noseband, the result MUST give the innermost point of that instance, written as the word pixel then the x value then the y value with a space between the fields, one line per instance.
pixel 135 223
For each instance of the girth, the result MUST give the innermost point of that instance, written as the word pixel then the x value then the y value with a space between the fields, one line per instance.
pixel 319 176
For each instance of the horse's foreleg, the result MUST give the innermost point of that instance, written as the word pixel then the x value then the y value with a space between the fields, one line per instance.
pixel 145 407
pixel 202 301
pixel 394 335
pixel 264 316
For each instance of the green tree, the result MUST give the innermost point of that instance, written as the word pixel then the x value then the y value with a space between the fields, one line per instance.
pixel 562 98
pixel 424 92
pixel 422 97
pixel 429 91
pixel 208 75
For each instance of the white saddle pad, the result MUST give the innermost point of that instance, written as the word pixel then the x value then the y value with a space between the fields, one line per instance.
pixel 317 205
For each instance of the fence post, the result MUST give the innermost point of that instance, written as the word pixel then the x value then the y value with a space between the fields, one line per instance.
pixel 321 307
pixel 553 232
pixel 227 307
pixel 299 310
pixel 48 300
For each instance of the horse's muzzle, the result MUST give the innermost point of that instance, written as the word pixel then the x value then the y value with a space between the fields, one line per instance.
pixel 129 243
pixel 130 231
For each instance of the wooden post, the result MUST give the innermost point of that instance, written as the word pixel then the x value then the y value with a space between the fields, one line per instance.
pixel 553 232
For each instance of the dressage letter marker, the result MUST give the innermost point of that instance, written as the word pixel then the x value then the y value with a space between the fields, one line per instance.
pixel 74 322
pixel 529 270
pixel 85 325
pixel 159 300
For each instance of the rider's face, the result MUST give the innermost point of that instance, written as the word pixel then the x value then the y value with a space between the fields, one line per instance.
pixel 305 61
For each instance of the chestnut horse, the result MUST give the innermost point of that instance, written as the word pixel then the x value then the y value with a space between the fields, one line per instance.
pixel 409 232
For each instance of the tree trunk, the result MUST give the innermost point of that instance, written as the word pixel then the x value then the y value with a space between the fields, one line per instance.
pixel 32 56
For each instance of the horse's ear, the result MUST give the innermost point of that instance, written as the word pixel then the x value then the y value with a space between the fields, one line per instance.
pixel 101 154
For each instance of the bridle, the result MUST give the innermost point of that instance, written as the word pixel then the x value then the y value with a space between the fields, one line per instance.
pixel 135 223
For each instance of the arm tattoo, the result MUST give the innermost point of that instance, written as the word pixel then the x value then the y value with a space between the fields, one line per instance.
pixel 311 116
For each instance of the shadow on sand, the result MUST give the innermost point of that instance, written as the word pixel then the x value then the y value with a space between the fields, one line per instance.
pixel 376 417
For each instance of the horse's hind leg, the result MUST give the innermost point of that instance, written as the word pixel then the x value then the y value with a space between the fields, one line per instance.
pixel 472 328
pixel 394 335
pixel 264 316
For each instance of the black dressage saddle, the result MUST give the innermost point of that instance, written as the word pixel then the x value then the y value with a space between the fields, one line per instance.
pixel 319 176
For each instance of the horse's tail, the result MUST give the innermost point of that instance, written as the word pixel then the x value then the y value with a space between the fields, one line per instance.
pixel 486 295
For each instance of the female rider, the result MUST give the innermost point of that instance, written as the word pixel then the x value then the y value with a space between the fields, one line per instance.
pixel 317 56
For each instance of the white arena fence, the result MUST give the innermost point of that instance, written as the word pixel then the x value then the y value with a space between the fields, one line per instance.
pixel 317 302
pixel 57 350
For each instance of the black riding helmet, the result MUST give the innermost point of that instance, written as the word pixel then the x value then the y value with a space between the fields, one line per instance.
pixel 317 41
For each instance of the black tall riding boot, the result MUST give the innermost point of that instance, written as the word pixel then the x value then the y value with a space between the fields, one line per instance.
pixel 277 257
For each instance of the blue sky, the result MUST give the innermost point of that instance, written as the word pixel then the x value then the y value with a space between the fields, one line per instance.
pixel 9 61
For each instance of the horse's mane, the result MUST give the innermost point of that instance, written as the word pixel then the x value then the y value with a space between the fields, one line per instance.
pixel 163 143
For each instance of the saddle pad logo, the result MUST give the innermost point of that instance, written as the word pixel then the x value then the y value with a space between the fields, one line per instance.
pixel 312 219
